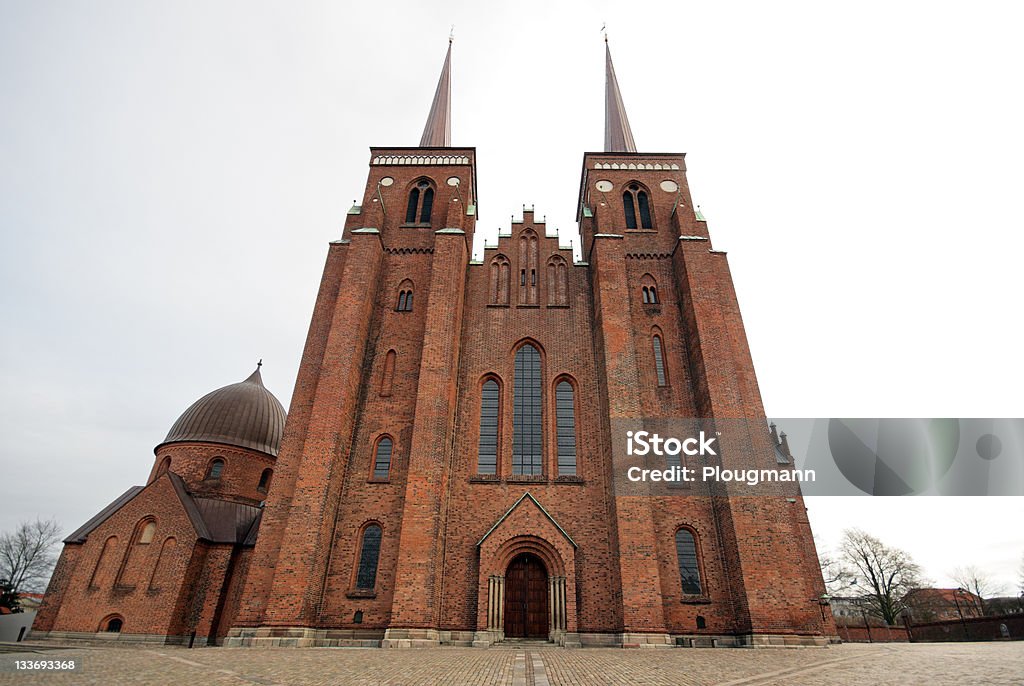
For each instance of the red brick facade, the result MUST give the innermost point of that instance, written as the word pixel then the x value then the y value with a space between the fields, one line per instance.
pixel 406 334
pixel 449 532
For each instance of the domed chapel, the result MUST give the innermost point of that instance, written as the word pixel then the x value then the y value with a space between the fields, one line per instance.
pixel 448 471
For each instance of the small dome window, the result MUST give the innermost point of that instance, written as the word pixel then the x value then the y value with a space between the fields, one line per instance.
pixel 216 469
pixel 265 480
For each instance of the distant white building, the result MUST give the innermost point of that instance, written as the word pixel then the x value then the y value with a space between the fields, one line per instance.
pixel 14 627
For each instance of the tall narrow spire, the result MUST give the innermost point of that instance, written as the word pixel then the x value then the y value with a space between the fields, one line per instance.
pixel 438 131
pixel 617 135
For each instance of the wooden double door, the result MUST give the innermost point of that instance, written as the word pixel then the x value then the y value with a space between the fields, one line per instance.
pixel 526 598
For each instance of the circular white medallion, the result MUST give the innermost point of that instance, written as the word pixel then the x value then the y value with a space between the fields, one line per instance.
pixel 603 186
pixel 453 181
pixel 387 181
pixel 669 186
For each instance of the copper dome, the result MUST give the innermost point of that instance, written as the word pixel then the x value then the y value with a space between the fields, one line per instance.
pixel 244 414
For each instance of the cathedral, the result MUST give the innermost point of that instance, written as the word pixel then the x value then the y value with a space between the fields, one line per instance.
pixel 448 471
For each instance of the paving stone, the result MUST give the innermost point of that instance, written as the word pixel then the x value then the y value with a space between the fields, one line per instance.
pixel 932 664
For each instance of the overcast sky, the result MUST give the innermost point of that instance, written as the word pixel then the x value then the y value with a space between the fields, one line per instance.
pixel 171 173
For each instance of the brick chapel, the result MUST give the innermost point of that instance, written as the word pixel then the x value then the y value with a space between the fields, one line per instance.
pixel 446 472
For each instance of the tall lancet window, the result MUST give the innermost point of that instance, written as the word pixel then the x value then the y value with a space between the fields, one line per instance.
pixel 490 405
pixel 499 280
pixel 382 459
pixel 635 198
pixel 428 203
pixel 565 416
pixel 421 203
pixel 528 268
pixel 659 359
pixel 369 554
pixel 686 554
pixel 414 205
pixel 558 277
pixel 527 457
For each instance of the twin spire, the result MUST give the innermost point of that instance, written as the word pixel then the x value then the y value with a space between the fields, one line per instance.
pixel 438 131
pixel 617 135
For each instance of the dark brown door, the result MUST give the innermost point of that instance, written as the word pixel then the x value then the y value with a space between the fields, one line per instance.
pixel 526 598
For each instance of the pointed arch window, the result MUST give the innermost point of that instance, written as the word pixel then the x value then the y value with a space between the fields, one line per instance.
pixel 382 459
pixel 414 204
pixel 490 410
pixel 421 203
pixel 499 280
pixel 264 482
pixel 165 466
pixel 527 454
pixel 630 209
pixel 428 205
pixel 369 555
pixel 634 198
pixel 565 420
pixel 686 553
pixel 659 359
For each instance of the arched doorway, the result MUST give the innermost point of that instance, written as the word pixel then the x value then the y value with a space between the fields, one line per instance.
pixel 526 598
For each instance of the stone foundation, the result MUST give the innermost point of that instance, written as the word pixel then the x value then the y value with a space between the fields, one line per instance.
pixel 411 638
pixel 301 637
pixel 108 637
pixel 749 641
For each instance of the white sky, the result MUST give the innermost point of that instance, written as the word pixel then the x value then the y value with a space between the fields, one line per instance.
pixel 170 175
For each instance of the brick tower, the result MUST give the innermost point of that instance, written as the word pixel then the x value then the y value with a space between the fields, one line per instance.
pixel 448 471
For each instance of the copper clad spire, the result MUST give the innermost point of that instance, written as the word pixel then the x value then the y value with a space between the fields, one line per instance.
pixel 438 131
pixel 617 135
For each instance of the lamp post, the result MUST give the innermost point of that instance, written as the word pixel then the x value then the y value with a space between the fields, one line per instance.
pixel 867 627
pixel 824 601
pixel 963 623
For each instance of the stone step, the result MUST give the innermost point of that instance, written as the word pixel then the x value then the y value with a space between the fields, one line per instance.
pixel 523 644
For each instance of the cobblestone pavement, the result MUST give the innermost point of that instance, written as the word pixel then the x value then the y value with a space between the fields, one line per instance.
pixel 933 664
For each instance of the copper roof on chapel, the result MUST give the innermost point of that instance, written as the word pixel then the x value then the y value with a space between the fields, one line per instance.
pixel 245 415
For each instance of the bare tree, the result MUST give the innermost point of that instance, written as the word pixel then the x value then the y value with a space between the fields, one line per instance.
pixel 978 583
pixel 27 556
pixel 1020 579
pixel 837 578
pixel 884 575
